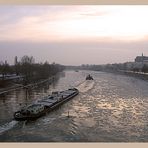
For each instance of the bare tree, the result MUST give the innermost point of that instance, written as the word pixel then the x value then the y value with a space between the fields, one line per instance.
pixel 27 67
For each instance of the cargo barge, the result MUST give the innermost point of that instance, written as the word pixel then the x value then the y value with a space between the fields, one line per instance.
pixel 45 105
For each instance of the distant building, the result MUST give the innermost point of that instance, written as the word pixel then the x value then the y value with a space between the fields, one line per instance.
pixel 141 59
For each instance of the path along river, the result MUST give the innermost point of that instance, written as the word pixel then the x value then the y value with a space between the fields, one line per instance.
pixel 111 108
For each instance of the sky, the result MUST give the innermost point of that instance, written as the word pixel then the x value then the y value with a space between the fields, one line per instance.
pixel 74 34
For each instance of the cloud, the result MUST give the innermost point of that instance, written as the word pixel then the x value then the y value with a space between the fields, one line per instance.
pixel 46 22
pixel 93 34
pixel 94 14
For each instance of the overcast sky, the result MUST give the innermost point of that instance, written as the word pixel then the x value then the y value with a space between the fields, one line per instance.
pixel 74 35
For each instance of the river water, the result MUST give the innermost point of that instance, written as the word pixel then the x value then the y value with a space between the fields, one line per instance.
pixel 111 108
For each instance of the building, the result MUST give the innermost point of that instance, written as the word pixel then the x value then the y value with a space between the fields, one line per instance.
pixel 141 59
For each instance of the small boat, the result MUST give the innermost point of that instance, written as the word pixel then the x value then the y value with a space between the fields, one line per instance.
pixel 45 105
pixel 89 77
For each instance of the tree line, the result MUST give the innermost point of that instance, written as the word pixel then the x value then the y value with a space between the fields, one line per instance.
pixel 127 66
pixel 27 68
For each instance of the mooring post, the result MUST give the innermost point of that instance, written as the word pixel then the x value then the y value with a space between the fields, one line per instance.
pixel 68 114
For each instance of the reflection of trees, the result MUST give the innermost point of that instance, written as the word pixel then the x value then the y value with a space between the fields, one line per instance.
pixel 55 80
pixel 62 74
pixel 26 94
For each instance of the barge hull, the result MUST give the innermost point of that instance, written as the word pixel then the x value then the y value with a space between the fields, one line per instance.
pixel 47 110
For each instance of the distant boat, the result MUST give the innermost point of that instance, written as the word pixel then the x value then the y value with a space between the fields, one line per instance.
pixel 48 103
pixel 76 70
pixel 89 77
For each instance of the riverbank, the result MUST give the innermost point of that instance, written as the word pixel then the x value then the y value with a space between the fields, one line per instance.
pixel 140 75
pixel 15 86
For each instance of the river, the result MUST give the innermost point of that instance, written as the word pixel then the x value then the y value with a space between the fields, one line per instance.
pixel 111 108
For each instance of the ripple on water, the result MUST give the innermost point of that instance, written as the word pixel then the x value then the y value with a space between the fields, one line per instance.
pixel 110 108
pixel 8 126
pixel 86 85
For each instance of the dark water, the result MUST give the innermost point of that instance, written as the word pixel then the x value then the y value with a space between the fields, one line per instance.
pixel 112 108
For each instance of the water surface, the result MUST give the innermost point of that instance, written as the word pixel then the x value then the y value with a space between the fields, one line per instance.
pixel 111 108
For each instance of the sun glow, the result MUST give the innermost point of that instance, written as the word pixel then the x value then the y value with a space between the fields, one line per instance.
pixel 80 23
pixel 127 23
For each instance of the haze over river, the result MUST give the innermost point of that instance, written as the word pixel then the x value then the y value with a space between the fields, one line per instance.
pixel 111 108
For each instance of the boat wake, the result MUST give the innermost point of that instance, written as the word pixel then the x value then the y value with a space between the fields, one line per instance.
pixel 85 86
pixel 7 126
